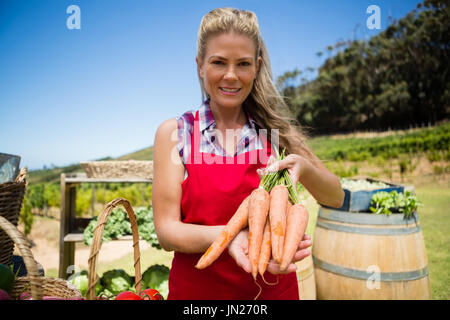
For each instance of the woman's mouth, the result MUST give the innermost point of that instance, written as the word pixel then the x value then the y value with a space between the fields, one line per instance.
pixel 229 91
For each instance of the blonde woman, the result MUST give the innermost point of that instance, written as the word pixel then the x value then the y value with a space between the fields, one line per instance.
pixel 208 161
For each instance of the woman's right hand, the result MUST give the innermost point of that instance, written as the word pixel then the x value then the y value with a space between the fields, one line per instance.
pixel 238 249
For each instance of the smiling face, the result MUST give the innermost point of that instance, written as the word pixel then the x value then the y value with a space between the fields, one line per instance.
pixel 229 69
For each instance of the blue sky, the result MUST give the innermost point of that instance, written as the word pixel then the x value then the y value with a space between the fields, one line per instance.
pixel 74 95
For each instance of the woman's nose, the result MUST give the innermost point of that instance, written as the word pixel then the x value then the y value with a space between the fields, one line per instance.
pixel 230 74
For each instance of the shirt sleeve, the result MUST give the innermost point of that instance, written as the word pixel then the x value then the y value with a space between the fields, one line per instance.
pixel 185 126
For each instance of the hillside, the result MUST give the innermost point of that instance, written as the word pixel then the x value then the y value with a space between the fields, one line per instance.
pixel 144 154
pixel 434 141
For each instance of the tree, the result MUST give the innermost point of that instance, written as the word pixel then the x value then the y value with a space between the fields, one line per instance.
pixel 396 79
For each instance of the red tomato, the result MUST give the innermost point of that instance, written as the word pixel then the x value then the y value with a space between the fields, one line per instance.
pixel 128 295
pixel 151 294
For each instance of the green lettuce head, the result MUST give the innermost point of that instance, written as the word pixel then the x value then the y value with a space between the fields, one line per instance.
pixel 154 276
pixel 81 281
pixel 116 281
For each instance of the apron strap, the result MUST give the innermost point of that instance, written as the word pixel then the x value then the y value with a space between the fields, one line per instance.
pixel 195 142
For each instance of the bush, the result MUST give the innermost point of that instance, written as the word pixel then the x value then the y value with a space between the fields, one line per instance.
pixel 340 170
pixel 438 170
pixel 137 194
pixel 380 161
pixel 52 195
pixel 403 164
pixel 35 196
pixel 434 155
pixel 447 155
pixel 26 216
pixel 132 194
pixel 359 156
pixel 84 200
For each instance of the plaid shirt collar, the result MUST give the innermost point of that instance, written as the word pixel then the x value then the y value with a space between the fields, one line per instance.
pixel 206 118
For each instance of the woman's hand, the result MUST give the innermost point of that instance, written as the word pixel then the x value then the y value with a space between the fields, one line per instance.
pixel 302 252
pixel 238 249
pixel 294 163
pixel 321 183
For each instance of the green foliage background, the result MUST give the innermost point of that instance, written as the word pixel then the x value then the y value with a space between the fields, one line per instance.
pixel 397 79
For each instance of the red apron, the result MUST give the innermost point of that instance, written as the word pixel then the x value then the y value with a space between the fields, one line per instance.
pixel 211 194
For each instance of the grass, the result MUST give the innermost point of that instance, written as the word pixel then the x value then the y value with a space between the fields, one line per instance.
pixel 435 221
pixel 313 210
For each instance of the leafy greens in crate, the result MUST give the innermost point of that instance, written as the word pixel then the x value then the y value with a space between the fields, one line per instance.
pixel 392 202
pixel 118 225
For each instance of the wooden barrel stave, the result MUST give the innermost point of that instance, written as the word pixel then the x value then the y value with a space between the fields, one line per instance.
pixel 306 279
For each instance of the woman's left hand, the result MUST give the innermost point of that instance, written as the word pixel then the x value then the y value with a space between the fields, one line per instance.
pixel 302 252
pixel 238 249
pixel 294 163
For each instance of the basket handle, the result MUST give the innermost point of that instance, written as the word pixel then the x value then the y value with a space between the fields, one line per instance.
pixel 97 242
pixel 30 263
pixel 22 175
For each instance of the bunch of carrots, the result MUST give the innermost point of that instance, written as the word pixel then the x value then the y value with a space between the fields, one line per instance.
pixel 276 221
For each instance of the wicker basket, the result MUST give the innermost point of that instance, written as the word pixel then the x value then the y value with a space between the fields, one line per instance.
pixel 118 169
pixel 39 286
pixel 11 198
pixel 97 242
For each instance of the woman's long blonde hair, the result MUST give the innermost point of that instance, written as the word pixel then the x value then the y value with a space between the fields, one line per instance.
pixel 264 102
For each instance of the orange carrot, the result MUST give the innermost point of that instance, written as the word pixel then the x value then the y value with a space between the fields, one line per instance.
pixel 258 210
pixel 289 205
pixel 237 222
pixel 278 204
pixel 297 220
pixel 264 256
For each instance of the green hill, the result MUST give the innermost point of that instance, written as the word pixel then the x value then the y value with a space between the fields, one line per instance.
pixel 435 141
pixel 144 154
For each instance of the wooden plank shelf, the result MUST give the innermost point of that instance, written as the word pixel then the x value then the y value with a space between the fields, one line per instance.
pixel 73 237
pixel 82 178
pixel 71 227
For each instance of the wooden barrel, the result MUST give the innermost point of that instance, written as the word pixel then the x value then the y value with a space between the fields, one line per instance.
pixel 306 279
pixel 369 256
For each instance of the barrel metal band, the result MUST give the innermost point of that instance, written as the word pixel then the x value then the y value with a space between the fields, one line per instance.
pixel 367 218
pixel 364 275
pixel 370 231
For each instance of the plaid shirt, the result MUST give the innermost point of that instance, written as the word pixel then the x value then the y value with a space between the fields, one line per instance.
pixel 248 140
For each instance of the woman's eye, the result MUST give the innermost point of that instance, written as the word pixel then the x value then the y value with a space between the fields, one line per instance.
pixel 245 64
pixel 217 62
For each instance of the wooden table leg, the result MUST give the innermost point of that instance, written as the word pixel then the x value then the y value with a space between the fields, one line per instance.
pixel 66 249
